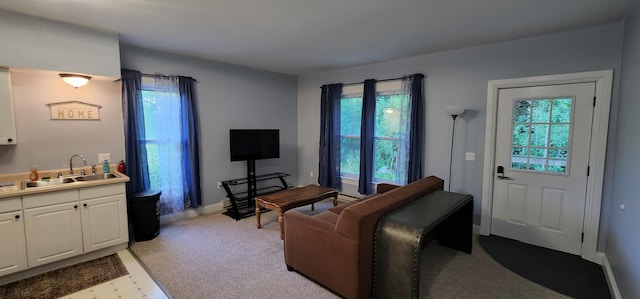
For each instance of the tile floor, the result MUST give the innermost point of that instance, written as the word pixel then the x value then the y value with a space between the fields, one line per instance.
pixel 137 284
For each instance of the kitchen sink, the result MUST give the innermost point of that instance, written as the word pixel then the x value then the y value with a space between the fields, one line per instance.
pixel 93 177
pixel 66 180
pixel 51 182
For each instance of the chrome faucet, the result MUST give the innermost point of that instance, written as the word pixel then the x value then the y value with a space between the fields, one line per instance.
pixel 84 161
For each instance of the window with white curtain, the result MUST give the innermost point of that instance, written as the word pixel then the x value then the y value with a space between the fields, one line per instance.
pixel 161 102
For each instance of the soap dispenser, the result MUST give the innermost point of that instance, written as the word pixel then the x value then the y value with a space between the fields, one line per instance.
pixel 105 166
pixel 34 173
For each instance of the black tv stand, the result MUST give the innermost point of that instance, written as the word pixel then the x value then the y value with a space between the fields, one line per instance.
pixel 243 201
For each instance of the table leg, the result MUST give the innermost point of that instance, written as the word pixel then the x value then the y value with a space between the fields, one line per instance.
pixel 335 201
pixel 258 225
pixel 312 207
pixel 281 222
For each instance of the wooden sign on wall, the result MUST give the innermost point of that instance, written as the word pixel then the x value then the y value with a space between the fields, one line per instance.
pixel 74 110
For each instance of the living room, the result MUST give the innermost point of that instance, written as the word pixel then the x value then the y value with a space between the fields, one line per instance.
pixel 233 96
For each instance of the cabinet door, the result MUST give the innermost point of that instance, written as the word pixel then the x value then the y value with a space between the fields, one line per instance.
pixel 7 117
pixel 53 233
pixel 104 222
pixel 13 252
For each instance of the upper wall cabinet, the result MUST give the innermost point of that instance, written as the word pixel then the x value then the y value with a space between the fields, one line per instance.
pixel 7 116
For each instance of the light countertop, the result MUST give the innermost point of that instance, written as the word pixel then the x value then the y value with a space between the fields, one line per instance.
pixel 17 178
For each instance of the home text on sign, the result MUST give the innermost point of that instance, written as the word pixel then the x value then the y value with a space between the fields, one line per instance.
pixel 74 111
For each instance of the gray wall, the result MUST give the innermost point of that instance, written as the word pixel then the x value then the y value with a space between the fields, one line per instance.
pixel 623 243
pixel 36 43
pixel 460 77
pixel 230 97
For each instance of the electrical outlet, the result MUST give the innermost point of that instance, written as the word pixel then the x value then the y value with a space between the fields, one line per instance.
pixel 310 174
pixel 104 156
pixel 219 185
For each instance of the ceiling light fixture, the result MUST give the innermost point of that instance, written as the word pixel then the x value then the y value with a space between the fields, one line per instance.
pixel 75 80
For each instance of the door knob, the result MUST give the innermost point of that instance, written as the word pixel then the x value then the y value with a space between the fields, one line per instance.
pixel 500 172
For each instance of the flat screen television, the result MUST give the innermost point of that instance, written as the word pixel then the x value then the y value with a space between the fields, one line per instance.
pixel 256 144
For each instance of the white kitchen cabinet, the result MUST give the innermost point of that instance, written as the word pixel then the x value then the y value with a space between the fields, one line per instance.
pixel 7 115
pixel 13 252
pixel 104 216
pixel 53 226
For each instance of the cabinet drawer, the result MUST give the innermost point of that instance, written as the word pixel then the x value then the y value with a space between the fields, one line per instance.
pixel 49 198
pixel 10 204
pixel 101 191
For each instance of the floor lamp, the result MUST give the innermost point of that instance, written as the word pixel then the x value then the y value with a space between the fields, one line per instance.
pixel 454 111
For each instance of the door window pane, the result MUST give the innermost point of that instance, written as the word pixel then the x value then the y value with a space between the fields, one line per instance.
pixel 541 110
pixel 541 135
pixel 520 135
pixel 560 136
pixel 522 112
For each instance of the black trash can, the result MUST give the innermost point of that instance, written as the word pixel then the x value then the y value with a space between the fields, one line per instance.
pixel 145 215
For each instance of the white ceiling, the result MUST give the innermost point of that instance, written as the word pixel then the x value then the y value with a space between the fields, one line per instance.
pixel 299 36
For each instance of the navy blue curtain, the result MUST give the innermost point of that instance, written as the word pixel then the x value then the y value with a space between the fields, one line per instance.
pixel 190 142
pixel 367 128
pixel 414 171
pixel 329 160
pixel 133 118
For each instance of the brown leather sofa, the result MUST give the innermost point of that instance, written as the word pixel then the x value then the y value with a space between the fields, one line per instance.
pixel 335 248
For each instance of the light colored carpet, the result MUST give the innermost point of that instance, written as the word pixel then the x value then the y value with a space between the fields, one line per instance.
pixel 214 256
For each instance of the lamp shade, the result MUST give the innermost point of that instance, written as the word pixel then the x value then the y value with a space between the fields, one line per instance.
pixel 75 80
pixel 455 110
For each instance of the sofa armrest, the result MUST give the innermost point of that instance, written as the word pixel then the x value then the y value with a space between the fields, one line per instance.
pixel 314 248
pixel 384 187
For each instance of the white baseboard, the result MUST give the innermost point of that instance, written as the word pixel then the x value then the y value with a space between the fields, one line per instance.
pixel 611 281
pixel 191 213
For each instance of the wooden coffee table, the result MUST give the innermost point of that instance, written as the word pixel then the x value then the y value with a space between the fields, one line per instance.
pixel 292 198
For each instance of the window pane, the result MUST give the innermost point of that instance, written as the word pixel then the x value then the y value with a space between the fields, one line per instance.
pixel 386 159
pixel 541 111
pixel 522 112
pixel 560 136
pixel 561 110
pixel 519 165
pixel 350 116
pixel 521 135
pixel 558 154
pixel 539 135
pixel 519 152
pixel 389 110
pixel 539 152
pixel 350 155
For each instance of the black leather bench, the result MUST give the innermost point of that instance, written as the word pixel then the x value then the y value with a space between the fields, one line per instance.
pixel 401 235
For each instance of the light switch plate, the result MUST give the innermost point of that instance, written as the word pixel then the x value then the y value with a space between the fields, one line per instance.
pixel 104 156
pixel 470 156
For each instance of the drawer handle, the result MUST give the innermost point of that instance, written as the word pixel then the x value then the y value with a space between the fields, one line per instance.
pixel 84 205
pixel 17 216
pixel 75 206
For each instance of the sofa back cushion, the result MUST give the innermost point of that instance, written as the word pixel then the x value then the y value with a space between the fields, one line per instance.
pixel 359 219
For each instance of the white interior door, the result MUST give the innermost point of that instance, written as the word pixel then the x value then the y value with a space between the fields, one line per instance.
pixel 542 156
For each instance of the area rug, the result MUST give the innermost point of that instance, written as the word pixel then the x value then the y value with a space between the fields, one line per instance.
pixel 565 273
pixel 67 280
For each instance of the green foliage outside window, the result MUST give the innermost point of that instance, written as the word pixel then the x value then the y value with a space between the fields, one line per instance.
pixel 390 115
pixel 540 138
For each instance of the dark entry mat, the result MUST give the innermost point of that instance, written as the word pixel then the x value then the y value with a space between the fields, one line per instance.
pixel 565 273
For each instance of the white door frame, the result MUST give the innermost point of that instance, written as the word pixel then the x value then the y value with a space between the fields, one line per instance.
pixel 603 80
